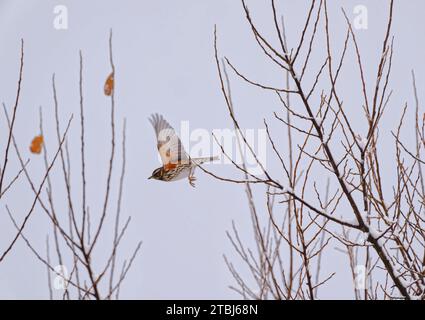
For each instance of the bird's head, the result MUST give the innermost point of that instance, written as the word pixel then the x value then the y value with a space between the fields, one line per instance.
pixel 157 174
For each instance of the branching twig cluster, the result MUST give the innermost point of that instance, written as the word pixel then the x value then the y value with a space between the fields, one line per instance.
pixel 77 231
pixel 381 229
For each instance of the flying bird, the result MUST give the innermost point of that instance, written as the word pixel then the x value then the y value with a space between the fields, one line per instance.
pixel 177 164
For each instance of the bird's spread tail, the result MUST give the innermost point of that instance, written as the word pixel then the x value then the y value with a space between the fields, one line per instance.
pixel 203 160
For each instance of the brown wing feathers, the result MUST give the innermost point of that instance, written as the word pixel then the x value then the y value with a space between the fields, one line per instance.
pixel 169 145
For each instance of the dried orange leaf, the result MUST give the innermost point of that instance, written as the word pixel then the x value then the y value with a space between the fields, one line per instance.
pixel 36 144
pixel 109 85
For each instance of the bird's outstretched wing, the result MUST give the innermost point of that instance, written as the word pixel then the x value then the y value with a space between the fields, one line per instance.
pixel 169 145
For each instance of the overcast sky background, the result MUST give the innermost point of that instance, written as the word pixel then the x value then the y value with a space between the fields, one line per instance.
pixel 164 57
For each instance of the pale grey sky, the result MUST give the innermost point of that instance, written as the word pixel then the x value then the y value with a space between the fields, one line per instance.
pixel 163 51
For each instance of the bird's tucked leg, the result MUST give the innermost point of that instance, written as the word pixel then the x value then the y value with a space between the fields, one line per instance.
pixel 191 178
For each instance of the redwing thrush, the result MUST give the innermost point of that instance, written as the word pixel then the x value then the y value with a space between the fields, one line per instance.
pixel 177 164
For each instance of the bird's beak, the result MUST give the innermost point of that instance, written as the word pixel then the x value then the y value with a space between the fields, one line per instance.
pixel 150 177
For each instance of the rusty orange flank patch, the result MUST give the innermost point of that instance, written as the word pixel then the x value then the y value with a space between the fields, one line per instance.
pixel 169 166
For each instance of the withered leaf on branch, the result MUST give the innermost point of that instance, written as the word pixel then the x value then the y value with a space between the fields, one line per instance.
pixel 36 144
pixel 109 85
